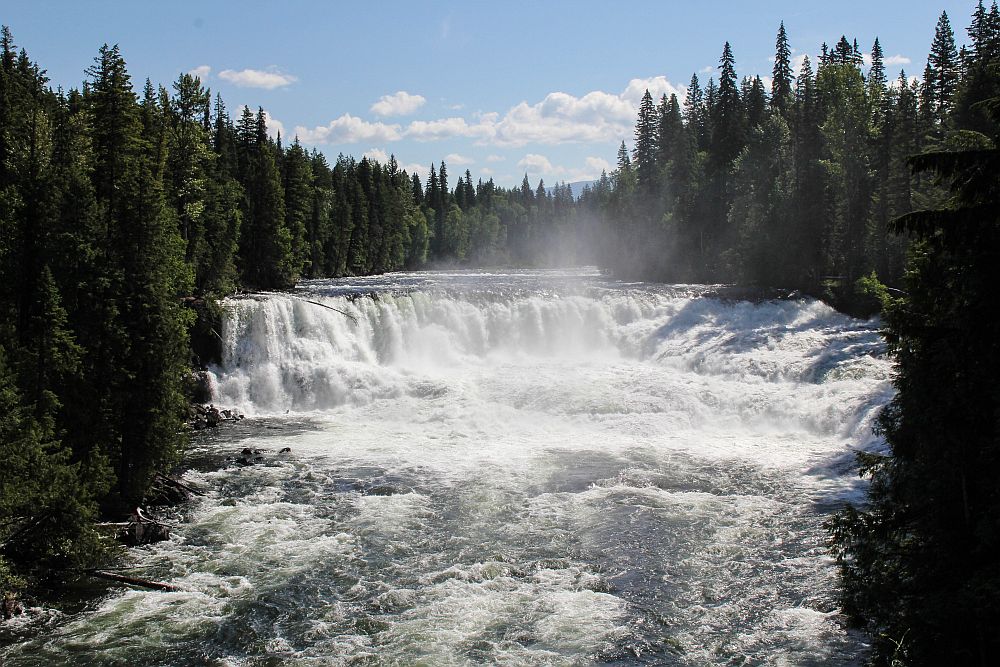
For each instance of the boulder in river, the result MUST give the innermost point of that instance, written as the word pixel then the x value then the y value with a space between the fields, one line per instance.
pixel 10 606
pixel 142 529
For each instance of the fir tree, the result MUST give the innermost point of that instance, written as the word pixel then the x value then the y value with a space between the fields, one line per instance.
pixel 941 77
pixel 645 145
pixel 781 81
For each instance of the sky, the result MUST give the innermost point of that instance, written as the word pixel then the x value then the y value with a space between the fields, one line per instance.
pixel 502 89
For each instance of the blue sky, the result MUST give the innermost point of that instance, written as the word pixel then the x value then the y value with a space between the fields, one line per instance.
pixel 500 89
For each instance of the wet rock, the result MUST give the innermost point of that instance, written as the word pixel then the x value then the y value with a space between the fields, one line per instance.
pixel 285 450
pixel 382 490
pixel 10 606
pixel 144 530
pixel 201 387
pixel 213 416
pixel 247 457
pixel 208 416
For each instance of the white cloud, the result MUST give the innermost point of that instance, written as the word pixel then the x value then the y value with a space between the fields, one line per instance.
pixel 593 118
pixel 255 78
pixel 897 60
pixel 486 172
pixel 274 126
pixel 657 86
pixel 414 168
pixel 910 80
pixel 400 103
pixel 446 128
pixel 595 165
pixel 349 129
pixel 533 163
pixel 455 158
pixel 202 71
pixel 596 117
pixel 377 154
pixel 708 69
pixel 495 158
pixel 540 166
pixel 799 59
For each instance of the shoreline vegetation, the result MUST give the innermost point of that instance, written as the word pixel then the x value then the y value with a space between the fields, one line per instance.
pixel 125 218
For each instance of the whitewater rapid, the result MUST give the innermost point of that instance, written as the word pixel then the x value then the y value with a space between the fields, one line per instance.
pixel 512 468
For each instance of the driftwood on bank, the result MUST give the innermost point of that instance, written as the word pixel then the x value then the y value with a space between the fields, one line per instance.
pixel 132 581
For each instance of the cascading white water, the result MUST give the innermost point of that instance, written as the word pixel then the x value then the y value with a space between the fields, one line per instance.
pixel 520 468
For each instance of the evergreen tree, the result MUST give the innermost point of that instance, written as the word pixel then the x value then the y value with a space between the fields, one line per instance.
pixel 919 563
pixel 781 74
pixel 266 258
pixel 694 113
pixel 298 195
pixel 645 145
pixel 145 349
pixel 941 78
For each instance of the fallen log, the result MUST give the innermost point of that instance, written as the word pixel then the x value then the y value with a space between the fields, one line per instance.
pixel 173 482
pixel 336 310
pixel 132 581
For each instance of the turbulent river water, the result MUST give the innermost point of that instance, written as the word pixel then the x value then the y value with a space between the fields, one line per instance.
pixel 510 468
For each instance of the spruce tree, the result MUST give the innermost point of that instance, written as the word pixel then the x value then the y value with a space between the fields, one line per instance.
pixel 781 81
pixel 645 146
pixel 942 72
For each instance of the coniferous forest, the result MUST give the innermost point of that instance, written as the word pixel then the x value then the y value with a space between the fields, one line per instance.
pixel 127 211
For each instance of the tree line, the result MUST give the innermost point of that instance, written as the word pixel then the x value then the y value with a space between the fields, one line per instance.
pixel 874 196
pixel 794 186
pixel 124 218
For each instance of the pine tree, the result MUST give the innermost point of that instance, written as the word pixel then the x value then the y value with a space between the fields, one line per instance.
pixel 781 82
pixel 266 256
pixel 694 113
pixel 919 562
pixel 876 83
pixel 645 146
pixel 756 103
pixel 147 341
pixel 942 72
pixel 728 123
pixel 298 195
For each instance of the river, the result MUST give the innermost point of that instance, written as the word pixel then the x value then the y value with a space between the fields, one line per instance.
pixel 522 467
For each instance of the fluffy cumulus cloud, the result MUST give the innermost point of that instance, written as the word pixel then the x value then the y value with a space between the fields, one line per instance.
pixel 495 158
pixel 401 103
pixel 897 60
pixel 268 79
pixel 455 158
pixel 910 80
pixel 448 128
pixel 378 154
pixel 799 59
pixel 202 71
pixel 596 117
pixel 349 129
pixel 535 166
pixel 274 126
pixel 414 168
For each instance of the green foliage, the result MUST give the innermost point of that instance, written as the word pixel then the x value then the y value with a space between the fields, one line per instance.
pixel 919 561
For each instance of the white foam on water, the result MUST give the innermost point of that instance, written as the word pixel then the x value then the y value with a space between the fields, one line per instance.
pixel 514 469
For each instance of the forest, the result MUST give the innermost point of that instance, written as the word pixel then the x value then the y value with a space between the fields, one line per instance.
pixel 126 216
